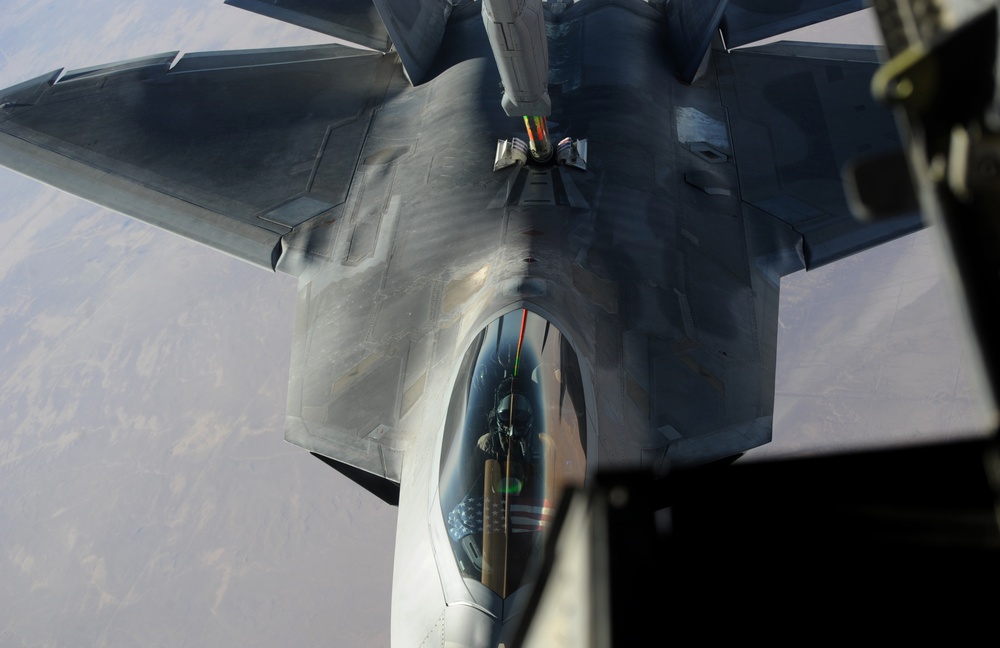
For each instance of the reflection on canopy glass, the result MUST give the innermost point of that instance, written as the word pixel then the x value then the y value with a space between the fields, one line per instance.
pixel 514 438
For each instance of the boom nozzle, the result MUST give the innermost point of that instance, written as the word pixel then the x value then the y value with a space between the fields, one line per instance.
pixel 538 138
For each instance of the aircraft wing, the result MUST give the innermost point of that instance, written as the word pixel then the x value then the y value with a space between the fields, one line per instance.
pixel 252 153
pixel 794 117
pixel 240 151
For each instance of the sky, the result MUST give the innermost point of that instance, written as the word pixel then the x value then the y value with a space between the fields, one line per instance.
pixel 146 494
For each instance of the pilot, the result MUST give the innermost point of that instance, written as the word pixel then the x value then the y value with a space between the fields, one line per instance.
pixel 512 419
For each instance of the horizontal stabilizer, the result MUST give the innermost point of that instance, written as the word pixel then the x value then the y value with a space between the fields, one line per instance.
pixel 414 27
pixel 355 21
pixel 800 112
pixel 748 21
pixel 234 150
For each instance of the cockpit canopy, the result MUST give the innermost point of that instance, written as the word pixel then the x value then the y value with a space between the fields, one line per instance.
pixel 515 436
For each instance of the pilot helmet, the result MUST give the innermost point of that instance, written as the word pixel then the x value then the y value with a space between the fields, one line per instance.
pixel 514 411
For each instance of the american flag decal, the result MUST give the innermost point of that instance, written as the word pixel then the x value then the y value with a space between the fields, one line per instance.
pixel 526 515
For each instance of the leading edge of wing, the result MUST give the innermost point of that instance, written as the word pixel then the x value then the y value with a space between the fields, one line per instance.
pixel 235 150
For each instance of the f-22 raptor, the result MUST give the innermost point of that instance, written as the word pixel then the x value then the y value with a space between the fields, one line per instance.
pixel 524 253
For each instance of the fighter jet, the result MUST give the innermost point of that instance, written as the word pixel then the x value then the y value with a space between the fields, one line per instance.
pixel 531 240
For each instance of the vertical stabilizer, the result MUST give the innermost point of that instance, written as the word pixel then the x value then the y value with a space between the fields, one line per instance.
pixel 691 26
